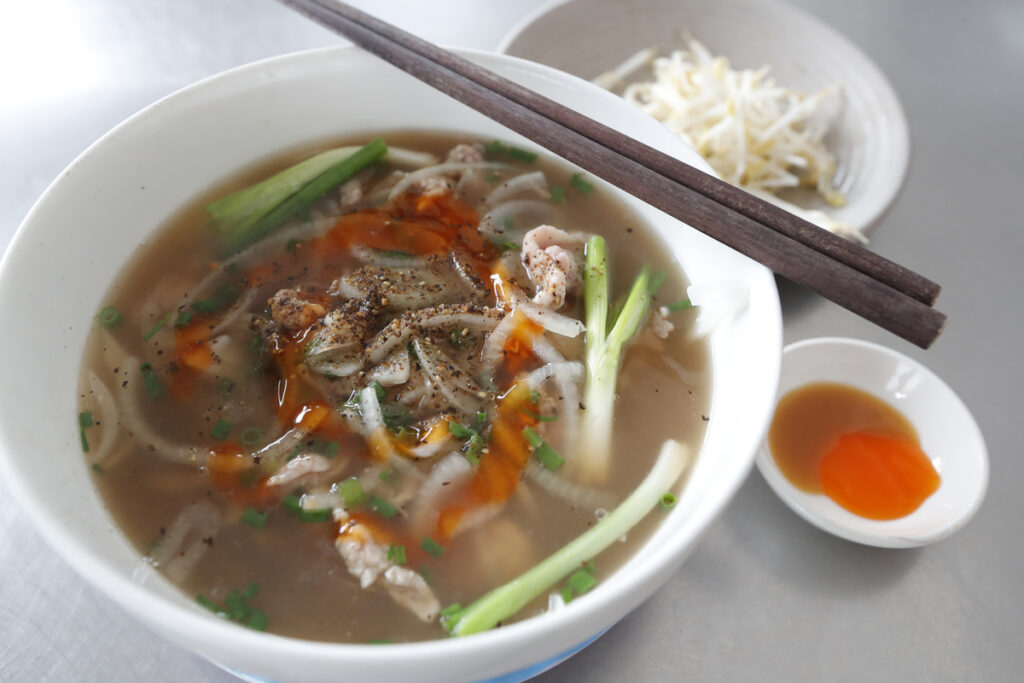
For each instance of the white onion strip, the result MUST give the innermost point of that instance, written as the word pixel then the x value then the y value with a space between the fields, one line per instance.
pixel 199 521
pixel 571 492
pixel 492 224
pixel 450 474
pixel 408 180
pixel 536 182
pixel 552 321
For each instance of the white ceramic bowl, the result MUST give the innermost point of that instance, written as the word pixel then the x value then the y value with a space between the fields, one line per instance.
pixel 949 436
pixel 92 218
pixel 869 132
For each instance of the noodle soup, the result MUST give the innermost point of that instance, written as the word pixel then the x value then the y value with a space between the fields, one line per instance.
pixel 341 402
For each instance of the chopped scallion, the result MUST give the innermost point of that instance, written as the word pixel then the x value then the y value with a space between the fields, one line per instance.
pixel 451 609
pixel 257 620
pixel 396 553
pixel 154 387
pixel 255 518
pixel 85 420
pixel 109 317
pixel 352 492
pixel 378 389
pixel 667 501
pixel 184 318
pixel 432 547
pixel 542 450
pixel 581 581
pixel 387 476
pixel 381 641
pixel 522 155
pixel 581 183
pixel 96 468
pixel 251 436
pixel 383 507
pixel 156 328
pixel 221 430
pixel 459 431
pixel 680 305
pixel 557 194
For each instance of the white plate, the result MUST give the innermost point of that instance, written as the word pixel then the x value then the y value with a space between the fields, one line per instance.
pixel 869 133
pixel 949 436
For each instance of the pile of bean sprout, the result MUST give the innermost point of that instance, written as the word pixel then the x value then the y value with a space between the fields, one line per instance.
pixel 754 133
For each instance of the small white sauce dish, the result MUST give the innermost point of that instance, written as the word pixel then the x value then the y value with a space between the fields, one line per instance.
pixel 949 437
pixel 868 135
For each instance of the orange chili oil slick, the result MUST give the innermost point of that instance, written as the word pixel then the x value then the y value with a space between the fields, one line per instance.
pixel 853 447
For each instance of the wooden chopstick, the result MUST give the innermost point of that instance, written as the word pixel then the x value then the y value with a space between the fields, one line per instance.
pixel 843 272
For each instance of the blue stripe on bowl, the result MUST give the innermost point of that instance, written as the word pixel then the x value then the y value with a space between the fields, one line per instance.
pixel 519 676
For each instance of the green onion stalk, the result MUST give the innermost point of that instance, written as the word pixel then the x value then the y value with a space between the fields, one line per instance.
pixel 506 600
pixel 250 214
pixel 603 358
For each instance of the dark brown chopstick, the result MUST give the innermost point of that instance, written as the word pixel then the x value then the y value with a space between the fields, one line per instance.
pixel 657 179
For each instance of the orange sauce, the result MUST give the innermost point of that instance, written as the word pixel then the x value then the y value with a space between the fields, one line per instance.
pixel 853 447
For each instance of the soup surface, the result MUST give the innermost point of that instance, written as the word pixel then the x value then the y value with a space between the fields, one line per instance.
pixel 336 426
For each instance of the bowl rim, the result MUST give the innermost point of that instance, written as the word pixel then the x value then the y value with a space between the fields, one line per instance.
pixel 129 594
pixel 896 162
pixel 879 538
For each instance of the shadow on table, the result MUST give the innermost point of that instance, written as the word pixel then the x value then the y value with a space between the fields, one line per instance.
pixel 799 554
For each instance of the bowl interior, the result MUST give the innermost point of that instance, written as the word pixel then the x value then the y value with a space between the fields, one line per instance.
pixel 949 436
pixel 869 132
pixel 108 201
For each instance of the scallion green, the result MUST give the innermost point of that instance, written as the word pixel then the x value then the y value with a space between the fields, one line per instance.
pixel 85 420
pixel 109 317
pixel 152 384
pixel 680 305
pixel 542 450
pixel 432 547
pixel 396 553
pixel 156 328
pixel 581 183
pixel 255 518
pixel 383 507
pixel 221 430
pixel 667 501
pixel 352 492
pixel 557 194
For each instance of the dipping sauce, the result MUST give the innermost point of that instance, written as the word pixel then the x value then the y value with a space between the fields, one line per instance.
pixel 853 447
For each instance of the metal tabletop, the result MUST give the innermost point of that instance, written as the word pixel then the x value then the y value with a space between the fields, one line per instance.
pixel 765 595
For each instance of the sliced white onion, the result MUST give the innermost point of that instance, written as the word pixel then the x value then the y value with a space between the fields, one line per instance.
pixel 717 303
pixel 493 222
pixel 432 448
pixel 395 369
pixel 431 359
pixel 399 156
pixel 491 352
pixel 570 370
pixel 409 179
pixel 535 182
pixel 571 492
pixel 450 474
pixel 552 321
pixel 182 545
pixel 546 351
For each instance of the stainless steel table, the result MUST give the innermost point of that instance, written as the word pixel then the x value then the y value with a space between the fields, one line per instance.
pixel 765 595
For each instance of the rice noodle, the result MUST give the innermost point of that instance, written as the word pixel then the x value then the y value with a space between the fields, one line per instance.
pixel 449 474
pixel 102 454
pixel 239 307
pixel 138 428
pixel 423 173
pixel 198 522
pixel 551 321
pixel 571 492
pixel 493 223
pixel 567 375
pixel 536 181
